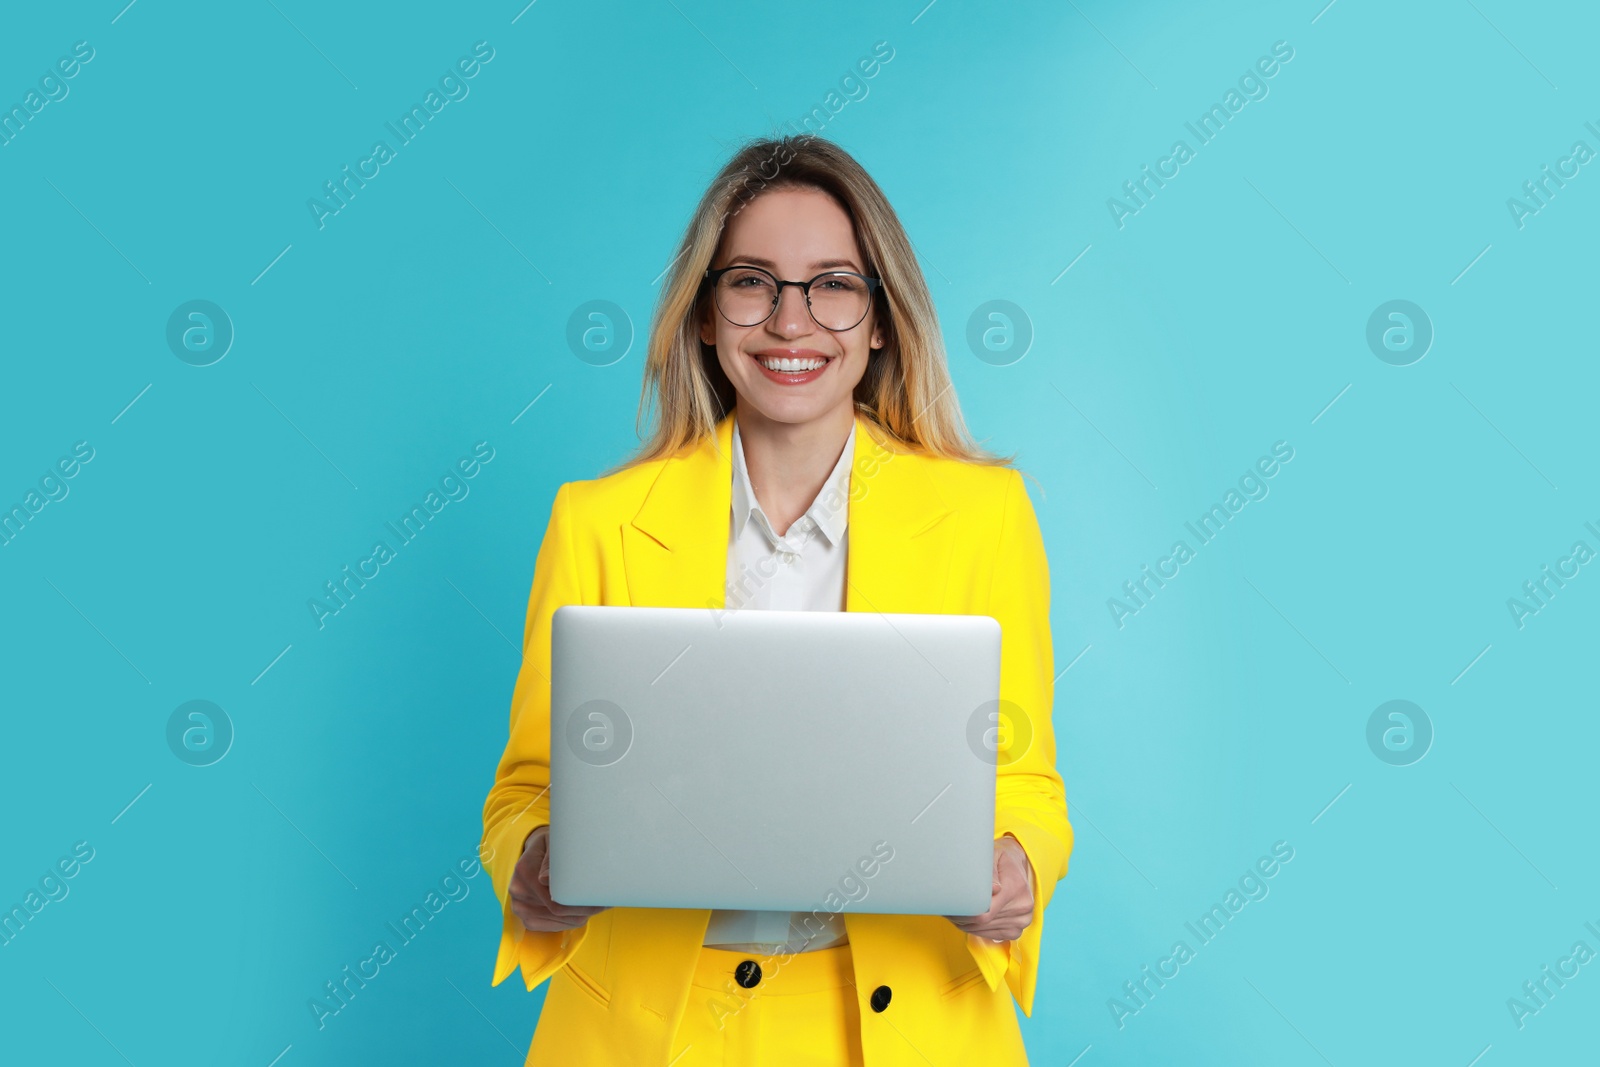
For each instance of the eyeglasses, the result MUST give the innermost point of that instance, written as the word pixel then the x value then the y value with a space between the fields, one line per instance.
pixel 747 296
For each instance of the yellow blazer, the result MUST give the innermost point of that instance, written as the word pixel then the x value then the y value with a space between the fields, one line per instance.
pixel 926 535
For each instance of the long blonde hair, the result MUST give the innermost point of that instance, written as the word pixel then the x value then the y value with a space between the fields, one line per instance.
pixel 906 393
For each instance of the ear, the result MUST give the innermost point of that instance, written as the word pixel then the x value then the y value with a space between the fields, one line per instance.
pixel 708 328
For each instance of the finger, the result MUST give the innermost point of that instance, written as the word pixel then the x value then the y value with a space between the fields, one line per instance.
pixel 542 915
pixel 539 899
pixel 1015 919
pixel 531 915
pixel 574 910
pixel 1002 930
pixel 974 923
pixel 530 890
pixel 524 878
pixel 525 873
pixel 532 918
pixel 1012 906
pixel 564 911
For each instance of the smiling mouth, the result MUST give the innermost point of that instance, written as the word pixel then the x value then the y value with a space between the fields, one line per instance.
pixel 791 364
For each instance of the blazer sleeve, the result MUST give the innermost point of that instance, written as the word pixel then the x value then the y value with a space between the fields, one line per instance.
pixel 519 802
pixel 1030 799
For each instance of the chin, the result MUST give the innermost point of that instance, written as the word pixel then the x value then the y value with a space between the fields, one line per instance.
pixel 790 409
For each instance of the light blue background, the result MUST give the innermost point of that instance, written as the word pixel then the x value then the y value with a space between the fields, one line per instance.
pixel 1223 317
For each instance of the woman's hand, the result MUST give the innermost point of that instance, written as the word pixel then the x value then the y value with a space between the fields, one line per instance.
pixel 530 889
pixel 1011 905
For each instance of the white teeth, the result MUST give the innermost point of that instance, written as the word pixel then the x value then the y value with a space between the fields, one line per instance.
pixel 792 366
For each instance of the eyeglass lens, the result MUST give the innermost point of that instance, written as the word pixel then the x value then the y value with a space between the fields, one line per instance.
pixel 746 296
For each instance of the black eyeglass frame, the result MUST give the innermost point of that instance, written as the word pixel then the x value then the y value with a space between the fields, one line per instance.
pixel 874 286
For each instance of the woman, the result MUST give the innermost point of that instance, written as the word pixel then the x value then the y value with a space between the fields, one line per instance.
pixel 807 454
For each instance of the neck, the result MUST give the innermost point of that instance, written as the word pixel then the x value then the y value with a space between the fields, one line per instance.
pixel 788 462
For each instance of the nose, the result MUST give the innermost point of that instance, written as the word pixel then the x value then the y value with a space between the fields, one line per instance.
pixel 792 318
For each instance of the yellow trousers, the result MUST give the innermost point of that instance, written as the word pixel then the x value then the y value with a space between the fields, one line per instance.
pixel 919 999
pixel 802 1011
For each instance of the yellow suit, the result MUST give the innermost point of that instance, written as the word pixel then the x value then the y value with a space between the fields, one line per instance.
pixel 926 535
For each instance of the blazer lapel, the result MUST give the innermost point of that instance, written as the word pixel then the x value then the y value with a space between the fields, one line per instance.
pixel 900 533
pixel 675 549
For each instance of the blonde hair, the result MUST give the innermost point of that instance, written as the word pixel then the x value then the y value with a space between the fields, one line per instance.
pixel 906 392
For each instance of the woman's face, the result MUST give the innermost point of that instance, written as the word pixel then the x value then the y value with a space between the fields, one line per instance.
pixel 795 234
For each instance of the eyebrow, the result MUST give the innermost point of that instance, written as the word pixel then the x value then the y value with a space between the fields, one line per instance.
pixel 821 264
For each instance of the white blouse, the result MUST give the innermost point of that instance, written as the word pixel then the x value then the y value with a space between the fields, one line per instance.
pixel 803 570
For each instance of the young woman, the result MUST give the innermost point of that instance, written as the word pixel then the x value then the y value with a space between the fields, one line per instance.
pixel 808 454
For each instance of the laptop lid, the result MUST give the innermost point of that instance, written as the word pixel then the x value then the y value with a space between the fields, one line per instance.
pixel 773 760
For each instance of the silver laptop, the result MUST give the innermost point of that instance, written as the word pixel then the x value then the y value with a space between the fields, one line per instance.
pixel 773 760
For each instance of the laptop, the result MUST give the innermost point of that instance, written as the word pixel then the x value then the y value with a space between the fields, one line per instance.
pixel 773 760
